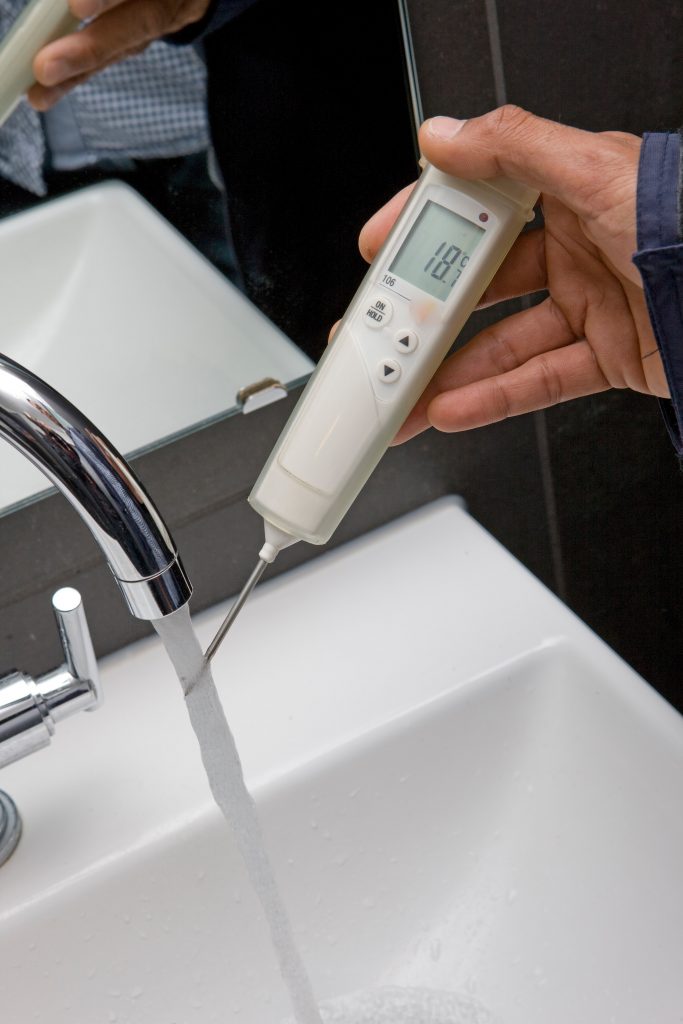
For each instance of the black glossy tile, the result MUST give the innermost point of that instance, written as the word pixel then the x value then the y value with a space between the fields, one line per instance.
pixel 600 66
pixel 453 57
pixel 620 506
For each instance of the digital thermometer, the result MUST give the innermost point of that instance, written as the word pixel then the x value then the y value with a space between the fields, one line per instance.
pixel 424 283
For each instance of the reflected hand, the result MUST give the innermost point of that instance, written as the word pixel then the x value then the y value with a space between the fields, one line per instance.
pixel 592 332
pixel 120 28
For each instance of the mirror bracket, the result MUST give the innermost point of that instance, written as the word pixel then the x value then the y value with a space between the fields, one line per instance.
pixel 263 392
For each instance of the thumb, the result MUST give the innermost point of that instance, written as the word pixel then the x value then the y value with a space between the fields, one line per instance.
pixel 510 142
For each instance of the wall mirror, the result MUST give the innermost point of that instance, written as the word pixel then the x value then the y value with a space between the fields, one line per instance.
pixel 152 291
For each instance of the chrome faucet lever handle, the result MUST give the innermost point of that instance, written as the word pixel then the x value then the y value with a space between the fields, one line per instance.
pixel 29 708
pixel 79 656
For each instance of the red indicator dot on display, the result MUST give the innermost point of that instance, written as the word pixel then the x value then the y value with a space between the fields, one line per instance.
pixel 483 216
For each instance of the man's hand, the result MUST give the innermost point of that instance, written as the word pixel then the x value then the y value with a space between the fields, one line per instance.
pixel 119 29
pixel 593 331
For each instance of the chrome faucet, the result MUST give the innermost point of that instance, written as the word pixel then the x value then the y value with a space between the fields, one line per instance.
pixel 91 474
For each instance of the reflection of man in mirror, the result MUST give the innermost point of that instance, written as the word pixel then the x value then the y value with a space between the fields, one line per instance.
pixel 288 100
pixel 143 121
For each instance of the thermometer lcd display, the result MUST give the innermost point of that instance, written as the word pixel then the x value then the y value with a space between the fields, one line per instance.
pixel 436 250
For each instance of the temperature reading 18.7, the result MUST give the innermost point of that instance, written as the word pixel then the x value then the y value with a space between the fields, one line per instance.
pixel 436 250
pixel 448 265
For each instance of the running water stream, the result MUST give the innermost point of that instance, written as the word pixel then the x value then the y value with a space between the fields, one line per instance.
pixel 391 1005
pixel 226 779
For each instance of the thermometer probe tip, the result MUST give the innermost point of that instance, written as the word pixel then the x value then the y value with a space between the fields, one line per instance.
pixel 235 609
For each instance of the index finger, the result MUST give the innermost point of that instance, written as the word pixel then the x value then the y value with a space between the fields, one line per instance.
pixel 375 230
pixel 120 30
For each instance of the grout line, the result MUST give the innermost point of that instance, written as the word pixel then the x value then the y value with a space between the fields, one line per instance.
pixel 553 521
pixel 540 422
pixel 496 52
pixel 410 67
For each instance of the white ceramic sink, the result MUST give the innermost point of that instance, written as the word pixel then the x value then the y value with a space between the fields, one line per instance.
pixel 461 786
pixel 114 308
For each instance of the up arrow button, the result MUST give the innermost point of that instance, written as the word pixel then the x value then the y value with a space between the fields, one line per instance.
pixel 406 341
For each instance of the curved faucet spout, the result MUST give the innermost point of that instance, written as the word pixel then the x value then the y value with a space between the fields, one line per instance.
pixel 91 474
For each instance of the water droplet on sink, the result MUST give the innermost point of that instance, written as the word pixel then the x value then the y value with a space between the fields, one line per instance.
pixel 512 895
pixel 136 992
pixel 540 977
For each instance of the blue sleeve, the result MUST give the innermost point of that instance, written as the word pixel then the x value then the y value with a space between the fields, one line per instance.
pixel 218 14
pixel 660 261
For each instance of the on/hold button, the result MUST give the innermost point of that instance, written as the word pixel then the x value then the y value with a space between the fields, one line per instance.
pixel 378 312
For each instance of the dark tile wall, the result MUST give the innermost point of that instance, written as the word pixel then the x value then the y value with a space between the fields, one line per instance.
pixel 612 490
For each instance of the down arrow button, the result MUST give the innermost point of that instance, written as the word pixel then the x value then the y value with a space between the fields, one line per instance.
pixel 388 371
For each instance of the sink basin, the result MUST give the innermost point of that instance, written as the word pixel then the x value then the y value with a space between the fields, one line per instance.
pixel 461 786
pixel 120 312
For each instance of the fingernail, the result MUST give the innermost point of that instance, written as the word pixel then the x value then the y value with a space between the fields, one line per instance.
pixel 88 8
pixel 57 71
pixel 445 128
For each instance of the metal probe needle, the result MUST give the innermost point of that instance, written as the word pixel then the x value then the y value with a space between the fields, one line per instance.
pixel 235 609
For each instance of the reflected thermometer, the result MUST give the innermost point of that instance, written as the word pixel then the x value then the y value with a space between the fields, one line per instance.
pixel 424 283
pixel 41 22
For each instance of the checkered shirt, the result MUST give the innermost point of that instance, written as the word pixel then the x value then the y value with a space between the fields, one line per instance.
pixel 149 106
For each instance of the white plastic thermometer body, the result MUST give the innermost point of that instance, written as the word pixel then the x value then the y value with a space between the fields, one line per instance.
pixel 420 290
pixel 39 24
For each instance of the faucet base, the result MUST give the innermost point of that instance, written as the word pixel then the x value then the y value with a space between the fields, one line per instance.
pixel 10 827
